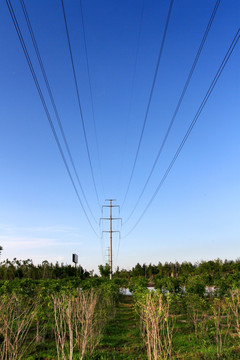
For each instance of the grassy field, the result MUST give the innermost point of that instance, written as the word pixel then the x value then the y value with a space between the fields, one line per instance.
pixel 122 338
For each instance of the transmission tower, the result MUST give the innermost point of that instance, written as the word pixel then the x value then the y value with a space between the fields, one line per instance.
pixel 107 255
pixel 110 231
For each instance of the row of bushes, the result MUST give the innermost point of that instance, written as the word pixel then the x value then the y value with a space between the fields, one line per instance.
pixel 177 326
pixel 36 315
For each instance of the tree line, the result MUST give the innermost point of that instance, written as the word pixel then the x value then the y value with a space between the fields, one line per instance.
pixel 171 276
pixel 25 269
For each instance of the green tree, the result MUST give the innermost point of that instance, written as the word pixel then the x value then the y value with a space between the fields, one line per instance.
pixel 196 285
pixel 139 270
pixel 104 270
pixel 168 284
pixel 186 268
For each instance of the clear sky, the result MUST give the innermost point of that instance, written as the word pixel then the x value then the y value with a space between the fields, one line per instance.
pixel 195 214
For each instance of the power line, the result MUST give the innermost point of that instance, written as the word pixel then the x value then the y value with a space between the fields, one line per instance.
pixel 150 98
pixel 201 107
pixel 91 93
pixel 79 102
pixel 17 28
pixel 128 118
pixel 130 104
pixel 178 105
pixel 53 101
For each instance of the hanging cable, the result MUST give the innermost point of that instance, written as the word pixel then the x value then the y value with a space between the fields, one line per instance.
pixel 198 113
pixel 150 98
pixel 130 102
pixel 53 102
pixel 79 103
pixel 178 105
pixel 91 94
pixel 17 28
pixel 132 85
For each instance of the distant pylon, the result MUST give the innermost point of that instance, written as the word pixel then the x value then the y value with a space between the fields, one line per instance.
pixel 111 231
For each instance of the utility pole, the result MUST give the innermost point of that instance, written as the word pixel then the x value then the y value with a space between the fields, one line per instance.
pixel 110 231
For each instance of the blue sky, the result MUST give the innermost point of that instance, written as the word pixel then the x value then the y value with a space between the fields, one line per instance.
pixel 195 215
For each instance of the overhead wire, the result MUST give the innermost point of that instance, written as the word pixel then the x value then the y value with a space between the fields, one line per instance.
pixel 198 113
pixel 130 101
pixel 150 98
pixel 79 102
pixel 178 105
pixel 128 118
pixel 17 28
pixel 91 93
pixel 53 102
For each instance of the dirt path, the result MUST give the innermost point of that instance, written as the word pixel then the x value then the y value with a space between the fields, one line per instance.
pixel 122 339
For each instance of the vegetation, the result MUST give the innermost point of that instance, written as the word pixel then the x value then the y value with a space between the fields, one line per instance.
pixel 170 276
pixel 25 269
pixel 121 337
pixel 54 319
pixel 62 312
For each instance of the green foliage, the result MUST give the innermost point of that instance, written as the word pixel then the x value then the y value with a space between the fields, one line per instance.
pixel 224 286
pixel 121 282
pixel 104 270
pixel 121 339
pixel 38 294
pixel 21 269
pixel 137 285
pixel 169 284
pixel 196 286
pixel 202 329
pixel 139 270
pixel 122 274
pixel 214 272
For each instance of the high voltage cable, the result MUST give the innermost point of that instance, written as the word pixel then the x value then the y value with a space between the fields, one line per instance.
pixel 150 97
pixel 133 83
pixel 15 22
pixel 178 105
pixel 203 103
pixel 131 98
pixel 79 102
pixel 91 93
pixel 53 101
